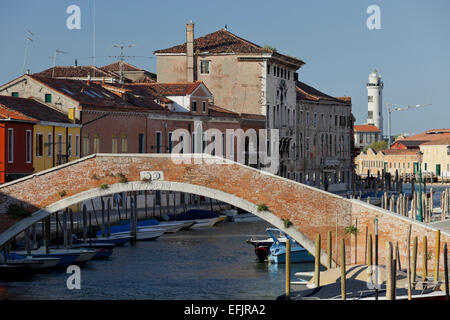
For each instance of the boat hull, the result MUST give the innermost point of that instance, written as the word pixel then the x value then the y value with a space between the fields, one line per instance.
pixel 297 256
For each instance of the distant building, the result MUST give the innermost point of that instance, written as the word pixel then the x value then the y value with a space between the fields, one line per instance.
pixel 321 153
pixel 16 144
pixel 404 156
pixel 55 137
pixel 436 157
pixel 365 135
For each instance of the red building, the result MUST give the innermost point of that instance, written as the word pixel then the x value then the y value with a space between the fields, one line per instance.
pixel 16 144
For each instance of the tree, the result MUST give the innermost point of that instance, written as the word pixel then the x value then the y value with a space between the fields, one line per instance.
pixel 377 146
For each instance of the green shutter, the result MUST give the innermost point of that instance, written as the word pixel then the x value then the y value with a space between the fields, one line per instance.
pixel 15 94
pixel 48 98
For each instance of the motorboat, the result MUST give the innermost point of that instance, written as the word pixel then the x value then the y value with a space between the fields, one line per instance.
pixel 14 258
pixel 142 233
pixel 233 216
pixel 202 218
pixel 278 249
pixel 116 239
pixel 262 246
pixel 67 256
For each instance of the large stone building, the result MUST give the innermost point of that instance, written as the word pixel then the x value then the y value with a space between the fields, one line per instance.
pixel 242 76
pixel 247 78
pixel 323 141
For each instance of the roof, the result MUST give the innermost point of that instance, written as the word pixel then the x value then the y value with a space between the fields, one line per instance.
pixel 429 135
pixel 115 67
pixel 223 41
pixel 82 91
pixel 74 72
pixel 365 128
pixel 32 109
pixel 306 92
pixel 410 143
pixel 174 89
pixel 443 141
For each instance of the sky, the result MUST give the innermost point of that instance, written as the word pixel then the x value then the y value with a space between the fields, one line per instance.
pixel 411 50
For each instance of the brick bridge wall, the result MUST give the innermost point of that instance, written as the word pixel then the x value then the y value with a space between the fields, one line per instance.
pixel 310 210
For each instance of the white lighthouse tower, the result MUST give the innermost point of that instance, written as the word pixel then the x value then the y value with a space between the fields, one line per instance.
pixel 374 93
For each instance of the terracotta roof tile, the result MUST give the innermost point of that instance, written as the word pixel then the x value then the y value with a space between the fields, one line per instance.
pixel 306 92
pixel 223 41
pixel 33 109
pixel 365 128
pixel 74 72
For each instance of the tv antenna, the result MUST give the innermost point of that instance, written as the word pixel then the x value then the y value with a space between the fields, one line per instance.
pixel 121 56
pixel 29 37
pixel 57 51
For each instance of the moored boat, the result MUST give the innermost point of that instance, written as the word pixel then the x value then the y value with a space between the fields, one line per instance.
pixel 278 250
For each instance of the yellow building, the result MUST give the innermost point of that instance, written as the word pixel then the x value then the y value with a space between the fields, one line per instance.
pixel 55 143
pixel 436 157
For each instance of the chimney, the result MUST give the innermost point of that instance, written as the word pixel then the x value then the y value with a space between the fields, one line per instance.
pixel 190 77
pixel 76 62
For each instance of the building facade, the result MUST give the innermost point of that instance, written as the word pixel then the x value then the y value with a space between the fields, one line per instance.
pixel 365 135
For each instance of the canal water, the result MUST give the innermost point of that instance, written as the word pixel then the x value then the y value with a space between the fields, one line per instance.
pixel 214 263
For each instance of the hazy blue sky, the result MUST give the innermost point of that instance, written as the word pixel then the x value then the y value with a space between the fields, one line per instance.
pixel 411 51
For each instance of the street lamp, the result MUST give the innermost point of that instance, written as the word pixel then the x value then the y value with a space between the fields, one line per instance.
pixel 420 217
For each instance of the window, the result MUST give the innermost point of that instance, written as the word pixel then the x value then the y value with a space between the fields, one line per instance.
pixel 194 106
pixel 77 145
pixel 274 70
pixel 10 145
pixel 370 98
pixel 142 142
pixel 48 98
pixel 59 152
pixel 158 142
pixel 268 68
pixel 96 143
pixel 114 143
pixel 124 143
pixel 69 145
pixel 170 142
pixel 15 94
pixel 204 66
pixel 39 144
pixel 203 106
pixel 49 145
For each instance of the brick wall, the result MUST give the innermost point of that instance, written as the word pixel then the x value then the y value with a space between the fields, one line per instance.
pixel 310 210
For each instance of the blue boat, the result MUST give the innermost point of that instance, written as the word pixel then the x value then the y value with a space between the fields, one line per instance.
pixel 278 249
pixel 66 258
pixel 117 240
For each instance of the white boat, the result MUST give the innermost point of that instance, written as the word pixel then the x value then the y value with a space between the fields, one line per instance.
pixel 207 223
pixel 233 216
pixel 144 233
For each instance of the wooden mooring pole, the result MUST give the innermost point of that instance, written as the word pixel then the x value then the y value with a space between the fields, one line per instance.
pixel 436 255
pixel 389 269
pixel 343 272
pixel 446 271
pixel 317 262
pixel 424 259
pixel 329 250
pixel 288 268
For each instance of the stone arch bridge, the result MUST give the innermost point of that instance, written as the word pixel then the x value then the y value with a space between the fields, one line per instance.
pixel 311 211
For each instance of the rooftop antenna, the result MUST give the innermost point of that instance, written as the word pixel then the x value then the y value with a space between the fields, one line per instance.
pixel 121 56
pixel 29 37
pixel 57 51
pixel 93 42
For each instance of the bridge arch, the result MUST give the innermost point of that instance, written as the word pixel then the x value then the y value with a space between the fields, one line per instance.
pixel 153 186
pixel 311 211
